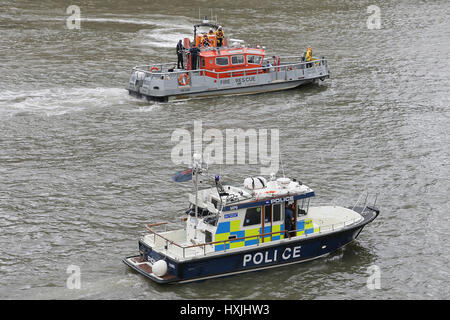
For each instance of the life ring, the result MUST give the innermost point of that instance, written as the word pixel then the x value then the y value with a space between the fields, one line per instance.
pixel 183 79
pixel 271 191
pixel 154 68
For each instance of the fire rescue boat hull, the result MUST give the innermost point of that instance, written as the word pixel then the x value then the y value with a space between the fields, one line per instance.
pixel 262 88
pixel 166 84
pixel 284 252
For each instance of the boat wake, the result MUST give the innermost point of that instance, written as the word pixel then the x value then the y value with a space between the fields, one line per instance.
pixel 58 101
pixel 162 37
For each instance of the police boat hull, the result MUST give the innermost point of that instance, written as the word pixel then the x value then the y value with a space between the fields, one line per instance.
pixel 274 255
pixel 287 252
pixel 247 234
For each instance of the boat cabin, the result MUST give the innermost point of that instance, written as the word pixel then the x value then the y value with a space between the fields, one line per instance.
pixel 219 59
pixel 237 217
pixel 231 62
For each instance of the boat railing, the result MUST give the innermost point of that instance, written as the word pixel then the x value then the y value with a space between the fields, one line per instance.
pixel 358 204
pixel 260 237
pixel 159 70
pixel 365 205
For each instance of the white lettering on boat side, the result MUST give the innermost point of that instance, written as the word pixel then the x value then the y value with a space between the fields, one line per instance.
pixel 285 199
pixel 269 256
pixel 244 80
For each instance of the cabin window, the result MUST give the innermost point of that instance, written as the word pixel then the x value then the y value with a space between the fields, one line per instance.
pixel 252 216
pixel 237 59
pixel 208 236
pixel 203 62
pixel 222 61
pixel 276 212
pixel 302 207
pixel 254 59
pixel 268 214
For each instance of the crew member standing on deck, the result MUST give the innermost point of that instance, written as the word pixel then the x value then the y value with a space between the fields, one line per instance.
pixel 288 220
pixel 219 36
pixel 308 54
pixel 180 55
pixel 194 51
pixel 308 57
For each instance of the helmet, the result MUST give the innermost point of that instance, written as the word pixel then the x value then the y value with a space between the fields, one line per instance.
pixel 220 27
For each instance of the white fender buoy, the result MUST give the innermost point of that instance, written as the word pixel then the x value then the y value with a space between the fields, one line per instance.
pixel 159 268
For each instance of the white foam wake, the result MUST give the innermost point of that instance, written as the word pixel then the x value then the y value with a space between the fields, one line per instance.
pixel 57 101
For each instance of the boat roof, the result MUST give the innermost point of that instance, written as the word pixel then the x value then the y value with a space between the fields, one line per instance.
pixel 235 198
pixel 231 51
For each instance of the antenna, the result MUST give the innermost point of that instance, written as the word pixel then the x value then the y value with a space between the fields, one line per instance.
pixel 196 169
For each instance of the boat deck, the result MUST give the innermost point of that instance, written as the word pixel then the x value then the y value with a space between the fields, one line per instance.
pixel 145 268
pixel 174 243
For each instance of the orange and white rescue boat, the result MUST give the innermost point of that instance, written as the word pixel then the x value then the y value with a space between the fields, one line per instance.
pixel 223 68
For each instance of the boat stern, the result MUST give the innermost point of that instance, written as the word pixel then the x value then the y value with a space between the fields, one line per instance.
pixel 155 271
pixel 153 265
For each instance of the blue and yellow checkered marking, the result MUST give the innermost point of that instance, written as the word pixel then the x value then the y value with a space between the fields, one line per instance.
pixel 306 227
pixel 230 228
pixel 276 228
pixel 224 231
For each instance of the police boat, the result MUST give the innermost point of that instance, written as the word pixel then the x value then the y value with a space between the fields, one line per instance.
pixel 236 229
pixel 214 65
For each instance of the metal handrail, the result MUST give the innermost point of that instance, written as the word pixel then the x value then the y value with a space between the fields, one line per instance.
pixel 283 66
pixel 365 205
pixel 267 55
pixel 359 198
pixel 326 228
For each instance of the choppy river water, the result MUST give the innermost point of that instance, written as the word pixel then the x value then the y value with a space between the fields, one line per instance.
pixel 84 166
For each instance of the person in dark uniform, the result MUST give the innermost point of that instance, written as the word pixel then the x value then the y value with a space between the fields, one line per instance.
pixel 288 220
pixel 194 54
pixel 180 55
